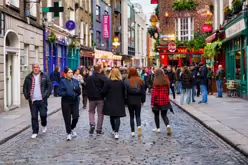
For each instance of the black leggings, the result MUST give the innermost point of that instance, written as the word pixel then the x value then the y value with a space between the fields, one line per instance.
pixel 115 123
pixel 70 110
pixel 163 115
pixel 173 91
pixel 134 110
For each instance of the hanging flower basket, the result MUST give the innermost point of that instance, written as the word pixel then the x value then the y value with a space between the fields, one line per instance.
pixel 237 6
pixel 52 39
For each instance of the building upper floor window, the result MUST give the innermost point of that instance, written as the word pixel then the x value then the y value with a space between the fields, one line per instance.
pixel 98 38
pixel 98 13
pixel 33 8
pixel 105 12
pixel 184 28
pixel 15 3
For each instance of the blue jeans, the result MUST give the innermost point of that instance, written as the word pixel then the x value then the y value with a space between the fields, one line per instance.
pixel 204 91
pixel 193 92
pixel 35 108
pixel 188 99
pixel 219 85
pixel 179 87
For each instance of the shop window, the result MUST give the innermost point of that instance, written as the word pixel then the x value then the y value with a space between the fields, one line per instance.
pixel 244 59
pixel 238 66
pixel 98 13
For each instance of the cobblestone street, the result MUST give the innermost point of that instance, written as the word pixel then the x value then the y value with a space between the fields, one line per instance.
pixel 190 144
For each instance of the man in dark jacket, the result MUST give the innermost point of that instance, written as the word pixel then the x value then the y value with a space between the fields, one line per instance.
pixel 94 90
pixel 204 83
pixel 220 76
pixel 198 80
pixel 172 78
pixel 193 74
pixel 37 88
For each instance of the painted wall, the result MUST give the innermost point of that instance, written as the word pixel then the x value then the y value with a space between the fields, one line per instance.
pixel 98 25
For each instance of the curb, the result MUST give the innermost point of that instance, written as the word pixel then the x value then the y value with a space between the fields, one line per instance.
pixel 245 153
pixel 24 129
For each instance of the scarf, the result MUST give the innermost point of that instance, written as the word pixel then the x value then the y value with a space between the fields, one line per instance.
pixel 33 86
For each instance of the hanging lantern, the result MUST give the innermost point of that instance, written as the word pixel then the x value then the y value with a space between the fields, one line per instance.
pixel 116 42
pixel 154 20
pixel 207 28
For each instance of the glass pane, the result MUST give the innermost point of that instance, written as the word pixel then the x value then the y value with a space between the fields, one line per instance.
pixel 238 64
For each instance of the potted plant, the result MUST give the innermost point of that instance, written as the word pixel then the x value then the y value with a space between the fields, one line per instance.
pixel 212 49
pixel 184 5
pixel 227 12
pixel 52 39
pixel 237 6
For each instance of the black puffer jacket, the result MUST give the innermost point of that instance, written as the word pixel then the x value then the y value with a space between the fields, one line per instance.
pixel 172 77
pixel 45 86
pixel 186 80
pixel 94 87
pixel 135 95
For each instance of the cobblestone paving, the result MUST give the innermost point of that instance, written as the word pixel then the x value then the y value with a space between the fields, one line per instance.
pixel 190 144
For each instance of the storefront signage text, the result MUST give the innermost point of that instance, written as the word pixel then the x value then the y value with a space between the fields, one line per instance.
pixel 182 51
pixel 106 27
pixel 236 28
pixel 106 55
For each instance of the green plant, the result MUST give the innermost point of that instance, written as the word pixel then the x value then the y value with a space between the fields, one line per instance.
pixel 152 31
pixel 212 49
pixel 157 11
pixel 237 3
pixel 155 46
pixel 74 45
pixel 94 44
pixel 52 39
pixel 209 21
pixel 228 11
pixel 185 5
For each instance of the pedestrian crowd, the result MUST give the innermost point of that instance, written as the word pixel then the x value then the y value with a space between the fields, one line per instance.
pixel 109 90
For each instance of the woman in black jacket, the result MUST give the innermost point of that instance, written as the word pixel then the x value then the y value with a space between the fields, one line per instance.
pixel 70 92
pixel 114 104
pixel 136 96
pixel 187 79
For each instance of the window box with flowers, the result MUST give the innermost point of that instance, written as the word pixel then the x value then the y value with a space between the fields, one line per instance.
pixel 185 5
pixel 227 13
pixel 237 6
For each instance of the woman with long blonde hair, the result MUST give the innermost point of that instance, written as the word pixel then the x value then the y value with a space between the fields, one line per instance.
pixel 160 99
pixel 114 104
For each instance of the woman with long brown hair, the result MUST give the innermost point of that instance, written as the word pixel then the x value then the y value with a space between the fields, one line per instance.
pixel 136 96
pixel 160 99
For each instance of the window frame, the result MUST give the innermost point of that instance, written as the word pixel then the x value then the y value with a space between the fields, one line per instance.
pixel 98 17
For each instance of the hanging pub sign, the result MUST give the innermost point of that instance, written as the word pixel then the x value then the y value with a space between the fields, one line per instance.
pixel 172 47
pixel 70 25
pixel 106 26
pixel 207 28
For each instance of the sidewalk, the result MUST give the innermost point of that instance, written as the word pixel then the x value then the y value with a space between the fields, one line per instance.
pixel 227 117
pixel 18 120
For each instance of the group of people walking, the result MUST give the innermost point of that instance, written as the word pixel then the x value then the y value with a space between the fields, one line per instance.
pixel 108 94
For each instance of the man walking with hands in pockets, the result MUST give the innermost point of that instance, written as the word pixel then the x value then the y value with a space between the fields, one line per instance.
pixel 37 88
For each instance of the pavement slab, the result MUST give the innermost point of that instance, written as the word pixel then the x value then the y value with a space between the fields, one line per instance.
pixel 226 116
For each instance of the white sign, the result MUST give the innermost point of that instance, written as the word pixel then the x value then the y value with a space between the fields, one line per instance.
pixel 13 3
pixel 236 28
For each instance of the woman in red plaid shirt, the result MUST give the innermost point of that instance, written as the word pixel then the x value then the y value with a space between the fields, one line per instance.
pixel 161 99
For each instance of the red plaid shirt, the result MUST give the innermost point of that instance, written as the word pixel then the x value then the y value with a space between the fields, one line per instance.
pixel 160 95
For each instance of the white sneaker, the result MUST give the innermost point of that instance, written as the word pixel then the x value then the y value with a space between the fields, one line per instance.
pixel 169 131
pixel 133 134
pixel 156 130
pixel 44 129
pixel 116 135
pixel 34 136
pixel 139 131
pixel 68 137
pixel 73 133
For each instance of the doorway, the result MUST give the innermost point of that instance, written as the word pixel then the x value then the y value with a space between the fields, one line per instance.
pixel 11 71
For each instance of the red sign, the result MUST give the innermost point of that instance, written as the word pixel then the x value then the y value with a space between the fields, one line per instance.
pixel 154 1
pixel 172 47
pixel 106 26
pixel 207 28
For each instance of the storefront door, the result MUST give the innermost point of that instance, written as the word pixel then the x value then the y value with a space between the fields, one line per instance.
pixel 231 63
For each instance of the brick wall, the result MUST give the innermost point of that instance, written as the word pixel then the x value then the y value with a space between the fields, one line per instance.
pixel 199 15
